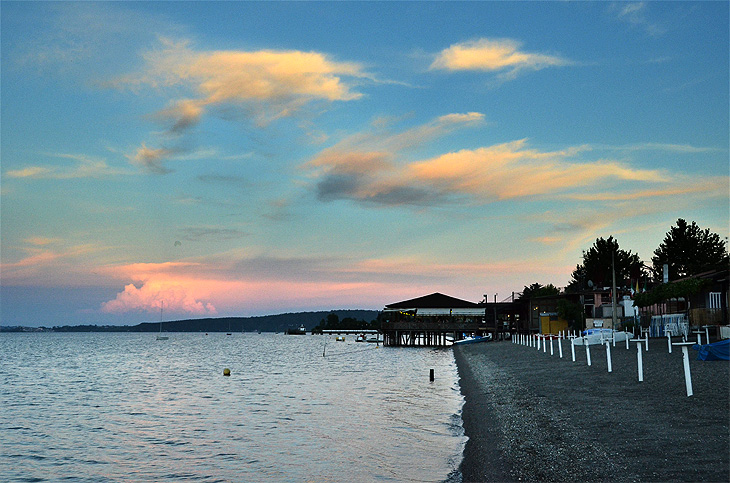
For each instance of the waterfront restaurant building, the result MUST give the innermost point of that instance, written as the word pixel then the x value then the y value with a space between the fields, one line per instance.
pixel 432 320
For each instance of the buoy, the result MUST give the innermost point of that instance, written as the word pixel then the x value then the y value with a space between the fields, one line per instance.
pixel 226 372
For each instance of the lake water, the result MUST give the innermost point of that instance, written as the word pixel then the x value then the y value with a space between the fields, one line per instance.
pixel 102 407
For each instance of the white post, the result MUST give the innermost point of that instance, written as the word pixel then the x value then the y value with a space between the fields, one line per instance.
pixel 669 340
pixel 551 345
pixel 646 342
pixel 544 346
pixel 699 337
pixel 627 342
pixel 572 348
pixel 608 356
pixel 640 361
pixel 560 347
pixel 707 334
pixel 538 342
pixel 588 353
pixel 687 375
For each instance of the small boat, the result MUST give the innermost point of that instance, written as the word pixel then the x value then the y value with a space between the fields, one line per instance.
pixel 473 339
pixel 600 336
pixel 360 338
pixel 301 330
pixel 340 338
pixel 373 339
pixel 159 335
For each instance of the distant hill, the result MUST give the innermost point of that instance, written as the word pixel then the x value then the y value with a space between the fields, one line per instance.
pixel 264 323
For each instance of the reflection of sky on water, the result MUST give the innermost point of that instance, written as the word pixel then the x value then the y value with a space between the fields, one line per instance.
pixel 125 406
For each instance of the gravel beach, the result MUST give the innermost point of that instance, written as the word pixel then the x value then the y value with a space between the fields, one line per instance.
pixel 531 416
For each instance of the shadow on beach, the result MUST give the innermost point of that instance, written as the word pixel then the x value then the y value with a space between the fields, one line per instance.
pixel 531 416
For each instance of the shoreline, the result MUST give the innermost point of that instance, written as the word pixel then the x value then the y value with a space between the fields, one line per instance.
pixel 530 416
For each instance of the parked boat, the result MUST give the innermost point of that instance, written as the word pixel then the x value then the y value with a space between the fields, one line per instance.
pixel 301 330
pixel 600 336
pixel 360 338
pixel 473 339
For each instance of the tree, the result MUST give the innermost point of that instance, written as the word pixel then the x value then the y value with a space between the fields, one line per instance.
pixel 572 313
pixel 597 265
pixel 689 250
pixel 538 290
pixel 665 291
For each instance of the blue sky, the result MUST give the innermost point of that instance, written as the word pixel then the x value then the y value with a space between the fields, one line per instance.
pixel 240 158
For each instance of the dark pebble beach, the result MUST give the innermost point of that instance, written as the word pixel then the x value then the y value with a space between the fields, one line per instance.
pixel 531 416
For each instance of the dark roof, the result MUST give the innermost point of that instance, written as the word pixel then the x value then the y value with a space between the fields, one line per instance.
pixel 433 301
pixel 717 275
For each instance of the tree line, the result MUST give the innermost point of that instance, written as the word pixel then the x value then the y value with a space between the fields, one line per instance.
pixel 687 250
pixel 333 322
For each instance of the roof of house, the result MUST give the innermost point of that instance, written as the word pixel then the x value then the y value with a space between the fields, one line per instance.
pixel 433 301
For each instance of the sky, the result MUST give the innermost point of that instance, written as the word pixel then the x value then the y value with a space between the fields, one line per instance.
pixel 245 158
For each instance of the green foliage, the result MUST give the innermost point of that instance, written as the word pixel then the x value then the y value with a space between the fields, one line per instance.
pixel 597 266
pixel 689 250
pixel 571 312
pixel 333 322
pixel 538 290
pixel 666 291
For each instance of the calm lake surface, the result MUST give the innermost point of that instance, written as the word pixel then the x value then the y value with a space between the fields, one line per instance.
pixel 102 407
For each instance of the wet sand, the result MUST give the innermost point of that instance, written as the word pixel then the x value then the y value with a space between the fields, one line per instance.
pixel 530 416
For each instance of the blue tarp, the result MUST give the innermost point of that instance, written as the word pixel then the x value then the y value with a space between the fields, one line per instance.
pixel 719 351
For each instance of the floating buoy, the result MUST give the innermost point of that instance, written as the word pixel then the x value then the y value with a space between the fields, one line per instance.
pixel 226 372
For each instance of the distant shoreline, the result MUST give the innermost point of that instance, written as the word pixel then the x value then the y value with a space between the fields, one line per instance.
pixel 264 323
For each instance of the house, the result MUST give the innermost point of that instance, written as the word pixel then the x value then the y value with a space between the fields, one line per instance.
pixel 709 306
pixel 544 314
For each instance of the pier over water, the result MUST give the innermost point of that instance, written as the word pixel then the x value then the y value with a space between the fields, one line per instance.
pixel 435 320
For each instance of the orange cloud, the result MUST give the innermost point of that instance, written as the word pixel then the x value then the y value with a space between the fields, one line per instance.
pixel 151 158
pixel 493 55
pixel 275 83
pixel 509 171
pixel 50 261
pixel 368 167
pixel 364 166
pixel 82 167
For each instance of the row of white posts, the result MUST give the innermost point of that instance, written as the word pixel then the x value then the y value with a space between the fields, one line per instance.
pixel 538 341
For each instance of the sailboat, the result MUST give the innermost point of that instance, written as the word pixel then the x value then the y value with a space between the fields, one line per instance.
pixel 160 336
